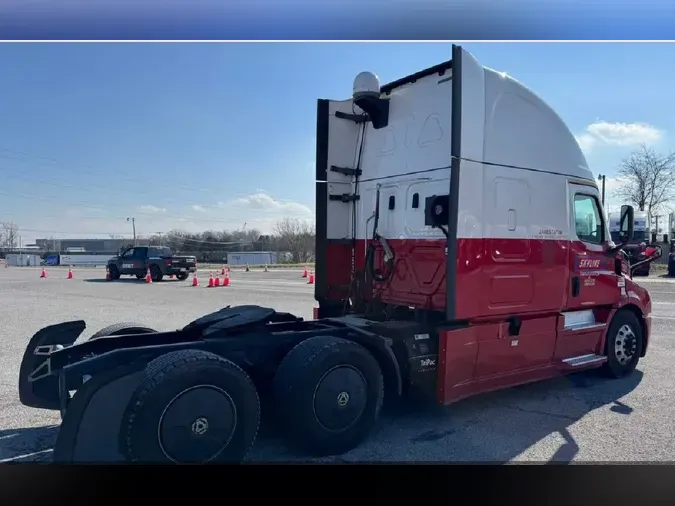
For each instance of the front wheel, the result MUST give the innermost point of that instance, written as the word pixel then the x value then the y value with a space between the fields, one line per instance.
pixel 114 272
pixel 182 276
pixel 329 393
pixel 624 344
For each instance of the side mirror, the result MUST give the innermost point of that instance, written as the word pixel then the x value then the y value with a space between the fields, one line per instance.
pixel 626 223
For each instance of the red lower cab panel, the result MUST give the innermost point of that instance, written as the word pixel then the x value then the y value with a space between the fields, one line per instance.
pixel 494 276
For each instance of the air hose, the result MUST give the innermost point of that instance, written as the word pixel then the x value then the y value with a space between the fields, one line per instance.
pixel 375 274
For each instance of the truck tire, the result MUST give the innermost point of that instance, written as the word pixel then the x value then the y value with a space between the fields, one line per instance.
pixel 156 273
pixel 329 394
pixel 182 276
pixel 121 329
pixel 114 273
pixel 623 345
pixel 185 397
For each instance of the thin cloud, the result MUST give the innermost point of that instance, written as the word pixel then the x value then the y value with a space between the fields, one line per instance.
pixel 152 209
pixel 603 133
pixel 262 203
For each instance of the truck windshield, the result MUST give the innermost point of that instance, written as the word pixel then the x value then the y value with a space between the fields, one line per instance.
pixel 638 236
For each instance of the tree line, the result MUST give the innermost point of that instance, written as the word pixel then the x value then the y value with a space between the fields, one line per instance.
pixel 290 236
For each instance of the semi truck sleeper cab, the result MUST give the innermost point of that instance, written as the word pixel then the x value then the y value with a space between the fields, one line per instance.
pixel 461 248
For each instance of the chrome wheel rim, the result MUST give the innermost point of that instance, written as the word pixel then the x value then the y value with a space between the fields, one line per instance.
pixel 625 345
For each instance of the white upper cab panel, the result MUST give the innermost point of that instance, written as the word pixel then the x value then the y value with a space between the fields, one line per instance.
pixel 508 133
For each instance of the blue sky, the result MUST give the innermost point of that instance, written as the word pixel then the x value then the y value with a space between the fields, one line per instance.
pixel 198 136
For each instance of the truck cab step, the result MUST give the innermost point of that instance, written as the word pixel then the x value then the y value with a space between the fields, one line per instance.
pixel 583 360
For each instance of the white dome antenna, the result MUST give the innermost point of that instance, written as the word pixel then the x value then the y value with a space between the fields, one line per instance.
pixel 366 84
pixel 366 95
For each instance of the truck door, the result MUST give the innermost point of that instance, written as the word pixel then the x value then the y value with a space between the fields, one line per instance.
pixel 126 262
pixel 592 282
pixel 141 259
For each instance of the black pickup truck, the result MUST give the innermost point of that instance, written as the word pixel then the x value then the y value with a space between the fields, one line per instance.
pixel 159 259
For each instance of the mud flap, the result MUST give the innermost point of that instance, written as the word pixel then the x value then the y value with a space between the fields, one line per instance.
pixel 39 389
pixel 90 428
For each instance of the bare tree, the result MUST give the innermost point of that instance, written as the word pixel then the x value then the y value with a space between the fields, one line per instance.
pixel 296 237
pixel 9 234
pixel 54 244
pixel 647 180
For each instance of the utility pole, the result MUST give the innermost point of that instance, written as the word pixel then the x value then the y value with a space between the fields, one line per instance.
pixel 601 177
pixel 133 225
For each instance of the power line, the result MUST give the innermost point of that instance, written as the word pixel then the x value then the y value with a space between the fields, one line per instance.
pixel 119 175
pixel 156 215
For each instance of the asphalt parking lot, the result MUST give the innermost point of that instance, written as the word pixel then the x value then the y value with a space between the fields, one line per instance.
pixel 576 418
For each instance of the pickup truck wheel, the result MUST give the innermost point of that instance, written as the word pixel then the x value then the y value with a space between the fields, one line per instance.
pixel 182 276
pixel 114 272
pixel 193 406
pixel 156 273
pixel 624 344
pixel 329 392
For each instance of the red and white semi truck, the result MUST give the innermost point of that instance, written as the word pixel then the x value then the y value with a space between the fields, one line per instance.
pixel 461 248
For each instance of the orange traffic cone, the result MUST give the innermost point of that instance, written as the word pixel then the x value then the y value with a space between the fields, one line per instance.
pixel 148 277
pixel 266 269
pixel 226 279
pixel 70 273
pixel 222 271
pixel 310 281
pixel 43 274
pixel 248 269
pixel 305 273
pixel 107 274
pixel 210 280
pixel 195 281
pixel 6 265
pixel 216 281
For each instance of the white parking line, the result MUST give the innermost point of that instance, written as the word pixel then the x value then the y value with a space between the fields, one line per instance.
pixel 25 456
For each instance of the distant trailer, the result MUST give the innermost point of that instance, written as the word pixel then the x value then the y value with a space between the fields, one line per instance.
pixel 252 258
pixel 88 260
pixel 23 260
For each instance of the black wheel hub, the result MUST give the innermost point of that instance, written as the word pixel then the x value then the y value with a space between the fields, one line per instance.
pixel 629 345
pixel 625 345
pixel 197 425
pixel 340 398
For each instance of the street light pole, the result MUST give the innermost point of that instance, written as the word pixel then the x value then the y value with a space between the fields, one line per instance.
pixel 133 225
pixel 601 177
